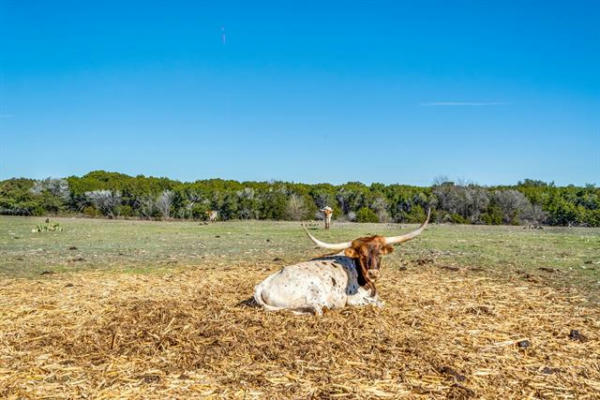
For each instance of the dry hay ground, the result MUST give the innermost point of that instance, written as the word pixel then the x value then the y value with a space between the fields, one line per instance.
pixel 442 334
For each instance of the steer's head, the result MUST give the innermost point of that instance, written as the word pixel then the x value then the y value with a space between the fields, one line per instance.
pixel 367 251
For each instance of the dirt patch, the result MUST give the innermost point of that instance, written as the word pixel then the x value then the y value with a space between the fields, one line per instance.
pixel 193 335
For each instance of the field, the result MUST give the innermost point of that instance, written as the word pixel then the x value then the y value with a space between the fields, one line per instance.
pixel 138 309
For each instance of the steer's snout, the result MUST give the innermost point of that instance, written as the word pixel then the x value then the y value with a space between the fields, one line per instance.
pixel 373 274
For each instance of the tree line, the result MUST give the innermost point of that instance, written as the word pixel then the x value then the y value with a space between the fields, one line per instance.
pixel 116 195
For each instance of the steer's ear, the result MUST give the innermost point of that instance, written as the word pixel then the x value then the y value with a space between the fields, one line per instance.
pixel 350 252
pixel 387 249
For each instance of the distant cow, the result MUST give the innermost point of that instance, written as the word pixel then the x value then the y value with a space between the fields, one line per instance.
pixel 327 211
pixel 211 215
pixel 345 278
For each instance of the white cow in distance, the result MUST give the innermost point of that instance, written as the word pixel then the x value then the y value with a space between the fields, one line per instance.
pixel 327 212
pixel 212 215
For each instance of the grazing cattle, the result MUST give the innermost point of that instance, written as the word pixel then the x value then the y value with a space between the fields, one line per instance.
pixel 211 215
pixel 333 281
pixel 327 212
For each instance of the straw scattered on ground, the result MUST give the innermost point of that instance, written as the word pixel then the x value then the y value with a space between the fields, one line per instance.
pixel 442 334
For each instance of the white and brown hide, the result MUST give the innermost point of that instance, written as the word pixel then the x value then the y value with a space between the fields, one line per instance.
pixel 308 287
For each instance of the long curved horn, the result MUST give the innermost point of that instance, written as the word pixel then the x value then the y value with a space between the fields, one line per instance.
pixel 410 235
pixel 331 246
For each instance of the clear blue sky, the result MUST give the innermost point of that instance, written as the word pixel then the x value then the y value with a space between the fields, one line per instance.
pixel 390 92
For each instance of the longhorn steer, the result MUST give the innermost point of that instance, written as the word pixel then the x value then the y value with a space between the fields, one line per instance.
pixel 327 211
pixel 211 215
pixel 345 278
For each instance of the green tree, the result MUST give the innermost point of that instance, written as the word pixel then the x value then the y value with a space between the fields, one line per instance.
pixel 365 214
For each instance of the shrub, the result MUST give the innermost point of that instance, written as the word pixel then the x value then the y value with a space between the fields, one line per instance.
pixel 365 214
pixel 56 187
pixel 337 212
pixel 296 208
pixel 247 203
pixel 380 205
pixel 458 219
pixel 273 205
pixel 533 214
pixel 594 217
pixel 124 211
pixel 493 216
pixel 416 215
pixel 351 216
pixel 229 207
pixel 91 211
pixel 512 203
pixel 199 211
pixel 145 206
pixel 50 203
pixel 164 202
pixel 105 200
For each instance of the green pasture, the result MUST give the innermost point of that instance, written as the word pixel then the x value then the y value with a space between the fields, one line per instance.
pixel 553 255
